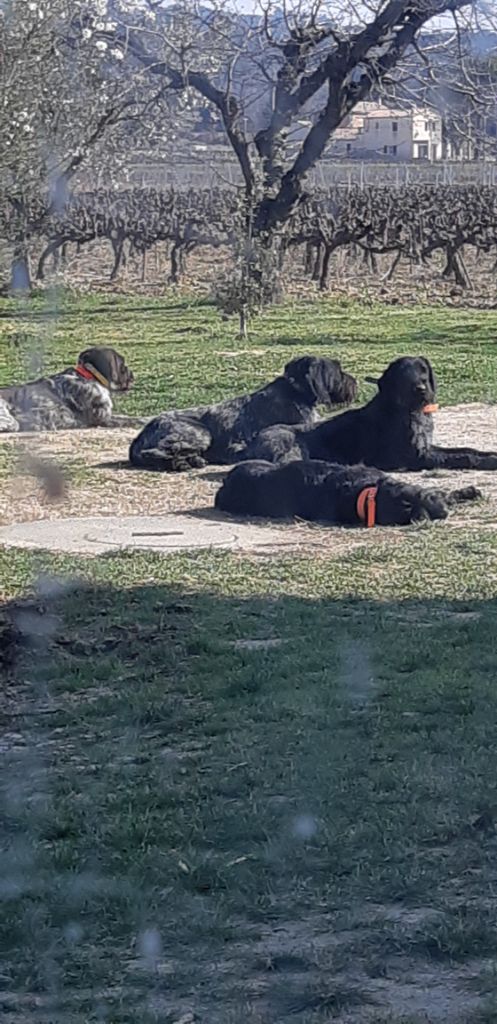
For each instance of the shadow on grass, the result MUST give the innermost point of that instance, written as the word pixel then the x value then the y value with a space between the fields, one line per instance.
pixel 431 336
pixel 194 786
pixel 112 308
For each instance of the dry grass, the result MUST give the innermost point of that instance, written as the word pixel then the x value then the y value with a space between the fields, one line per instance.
pixel 350 277
pixel 103 484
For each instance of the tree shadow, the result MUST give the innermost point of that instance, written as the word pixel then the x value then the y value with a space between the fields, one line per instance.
pixel 191 780
pixel 113 309
pixel 432 336
pixel 213 475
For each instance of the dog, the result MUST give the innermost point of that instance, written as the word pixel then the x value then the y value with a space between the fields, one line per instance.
pixel 331 493
pixel 77 397
pixel 392 432
pixel 192 438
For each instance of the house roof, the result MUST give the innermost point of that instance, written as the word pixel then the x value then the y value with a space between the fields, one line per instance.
pixel 377 112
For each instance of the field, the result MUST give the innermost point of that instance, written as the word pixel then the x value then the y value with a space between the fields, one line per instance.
pixel 415 244
pixel 257 789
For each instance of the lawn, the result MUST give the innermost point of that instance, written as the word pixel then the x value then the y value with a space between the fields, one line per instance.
pixel 182 353
pixel 251 789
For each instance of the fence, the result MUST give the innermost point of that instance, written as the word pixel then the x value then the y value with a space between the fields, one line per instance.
pixel 217 172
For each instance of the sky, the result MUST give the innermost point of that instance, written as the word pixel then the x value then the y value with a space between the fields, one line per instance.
pixel 444 22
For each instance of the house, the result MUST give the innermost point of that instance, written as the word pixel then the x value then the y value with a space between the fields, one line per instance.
pixel 373 132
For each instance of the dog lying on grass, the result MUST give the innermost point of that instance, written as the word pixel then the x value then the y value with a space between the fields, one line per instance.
pixel 190 438
pixel 331 493
pixel 77 397
pixel 393 431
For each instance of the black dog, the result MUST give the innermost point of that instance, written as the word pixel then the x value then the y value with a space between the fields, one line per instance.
pixel 322 491
pixel 394 431
pixel 191 438
pixel 77 397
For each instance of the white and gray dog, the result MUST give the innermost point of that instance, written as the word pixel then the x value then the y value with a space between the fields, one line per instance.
pixel 190 438
pixel 77 397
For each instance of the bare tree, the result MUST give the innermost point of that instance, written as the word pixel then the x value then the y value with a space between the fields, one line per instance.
pixel 64 102
pixel 284 80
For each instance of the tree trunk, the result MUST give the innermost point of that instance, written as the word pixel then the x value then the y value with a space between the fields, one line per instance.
pixel 244 318
pixel 389 274
pixel 318 262
pixel 462 277
pixel 40 271
pixel 117 246
pixel 175 264
pixel 309 258
pixel 369 258
pixel 325 268
pixel 456 267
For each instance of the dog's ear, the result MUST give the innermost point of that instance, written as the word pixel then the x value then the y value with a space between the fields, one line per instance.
pixel 431 375
pixel 387 380
pixel 301 373
pixel 323 378
pixel 320 381
pixel 297 369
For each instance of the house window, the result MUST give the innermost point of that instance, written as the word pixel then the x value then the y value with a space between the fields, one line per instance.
pixel 395 126
pixel 422 150
pixel 433 126
pixel 427 126
pixel 366 126
pixel 349 147
pixel 385 149
pixel 377 125
pixel 393 150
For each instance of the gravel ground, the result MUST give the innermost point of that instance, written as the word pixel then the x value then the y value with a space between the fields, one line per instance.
pixel 100 483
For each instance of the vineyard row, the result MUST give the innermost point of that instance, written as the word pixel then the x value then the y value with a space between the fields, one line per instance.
pixel 408 222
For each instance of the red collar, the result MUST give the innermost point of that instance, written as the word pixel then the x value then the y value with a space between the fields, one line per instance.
pixel 429 408
pixel 366 506
pixel 90 373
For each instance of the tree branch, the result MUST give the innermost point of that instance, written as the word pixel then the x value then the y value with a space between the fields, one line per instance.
pixel 226 104
pixel 389 36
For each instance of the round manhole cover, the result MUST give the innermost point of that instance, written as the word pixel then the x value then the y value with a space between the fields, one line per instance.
pixel 100 534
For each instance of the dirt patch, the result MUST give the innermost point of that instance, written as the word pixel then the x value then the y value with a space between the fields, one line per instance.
pixel 105 485
pixel 88 269
pixel 320 964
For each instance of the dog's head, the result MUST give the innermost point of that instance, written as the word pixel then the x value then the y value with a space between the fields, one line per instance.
pixel 109 365
pixel 408 382
pixel 321 381
pixel 398 504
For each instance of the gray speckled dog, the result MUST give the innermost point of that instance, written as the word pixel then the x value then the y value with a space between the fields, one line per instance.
pixel 77 397
pixel 190 438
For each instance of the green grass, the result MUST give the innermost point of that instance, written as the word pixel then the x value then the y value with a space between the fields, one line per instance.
pixel 196 820
pixel 175 345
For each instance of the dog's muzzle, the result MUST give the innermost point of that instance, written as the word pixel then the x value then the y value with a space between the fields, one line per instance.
pixel 128 382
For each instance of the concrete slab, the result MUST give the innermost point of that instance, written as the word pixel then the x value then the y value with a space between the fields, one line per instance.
pixel 99 535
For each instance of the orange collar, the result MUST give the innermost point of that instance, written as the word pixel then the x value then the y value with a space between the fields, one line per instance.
pixel 366 506
pixel 429 408
pixel 90 373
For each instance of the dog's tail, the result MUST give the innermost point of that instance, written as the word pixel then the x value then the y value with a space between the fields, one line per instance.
pixel 463 494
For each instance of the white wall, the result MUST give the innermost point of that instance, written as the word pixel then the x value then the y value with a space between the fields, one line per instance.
pixel 427 136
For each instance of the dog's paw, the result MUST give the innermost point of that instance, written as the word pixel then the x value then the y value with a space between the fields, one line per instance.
pixel 470 493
